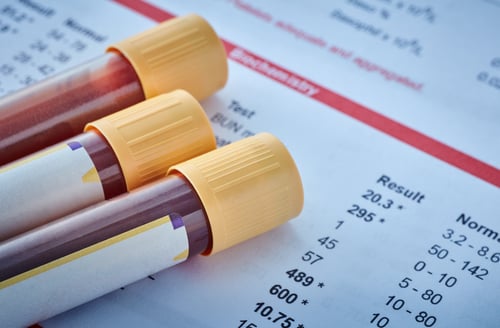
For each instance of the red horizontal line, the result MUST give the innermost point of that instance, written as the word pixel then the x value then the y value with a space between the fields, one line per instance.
pixel 146 9
pixel 357 111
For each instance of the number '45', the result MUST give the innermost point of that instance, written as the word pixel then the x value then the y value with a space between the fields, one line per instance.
pixel 328 242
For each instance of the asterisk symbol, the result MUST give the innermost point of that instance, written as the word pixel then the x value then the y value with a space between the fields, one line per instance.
pixel 300 325
pixel 305 302
pixel 400 207
pixel 384 13
pixel 321 285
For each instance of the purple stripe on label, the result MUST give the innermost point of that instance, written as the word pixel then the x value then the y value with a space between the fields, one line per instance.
pixel 74 145
pixel 176 220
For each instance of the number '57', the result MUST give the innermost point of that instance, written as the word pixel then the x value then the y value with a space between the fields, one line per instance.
pixel 311 257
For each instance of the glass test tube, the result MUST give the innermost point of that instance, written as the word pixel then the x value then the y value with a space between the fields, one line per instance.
pixel 181 53
pixel 117 153
pixel 203 205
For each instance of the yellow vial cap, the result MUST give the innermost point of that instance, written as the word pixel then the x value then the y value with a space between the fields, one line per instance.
pixel 246 188
pixel 151 136
pixel 180 53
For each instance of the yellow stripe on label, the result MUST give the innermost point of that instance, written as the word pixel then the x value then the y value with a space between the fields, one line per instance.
pixel 83 252
pixel 182 256
pixel 91 176
pixel 33 157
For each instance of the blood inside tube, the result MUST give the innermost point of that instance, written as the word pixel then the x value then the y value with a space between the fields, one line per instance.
pixel 106 163
pixel 59 107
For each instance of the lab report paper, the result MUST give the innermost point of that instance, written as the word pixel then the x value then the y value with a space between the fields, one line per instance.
pixel 391 110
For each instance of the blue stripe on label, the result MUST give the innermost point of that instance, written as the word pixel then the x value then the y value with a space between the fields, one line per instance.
pixel 176 220
pixel 74 145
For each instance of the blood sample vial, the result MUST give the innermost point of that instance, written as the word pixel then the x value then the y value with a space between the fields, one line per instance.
pixel 181 53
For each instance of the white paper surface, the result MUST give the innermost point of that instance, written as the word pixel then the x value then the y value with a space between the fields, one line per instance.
pixel 428 260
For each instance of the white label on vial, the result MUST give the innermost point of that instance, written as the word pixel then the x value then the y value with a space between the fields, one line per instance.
pixel 46 186
pixel 79 277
